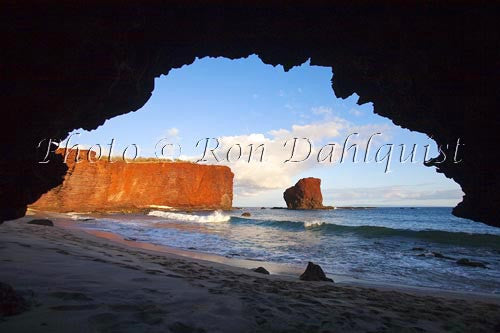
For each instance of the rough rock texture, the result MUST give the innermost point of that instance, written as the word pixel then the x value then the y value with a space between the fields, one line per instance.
pixel 430 66
pixel 261 270
pixel 11 303
pixel 470 263
pixel 314 272
pixel 42 222
pixel 306 194
pixel 120 186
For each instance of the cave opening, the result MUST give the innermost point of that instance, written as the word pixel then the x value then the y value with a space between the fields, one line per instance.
pixel 384 213
pixel 444 89
pixel 154 71
pixel 244 104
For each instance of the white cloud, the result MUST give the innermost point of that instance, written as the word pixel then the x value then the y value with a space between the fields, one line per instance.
pixel 254 177
pixel 355 112
pixel 322 110
pixel 365 131
pixel 173 132
pixel 314 131
pixel 390 195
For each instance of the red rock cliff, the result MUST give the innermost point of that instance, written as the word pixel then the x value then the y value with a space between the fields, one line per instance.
pixel 306 194
pixel 120 186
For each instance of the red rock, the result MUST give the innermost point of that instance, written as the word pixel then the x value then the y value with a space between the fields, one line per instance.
pixel 306 194
pixel 103 186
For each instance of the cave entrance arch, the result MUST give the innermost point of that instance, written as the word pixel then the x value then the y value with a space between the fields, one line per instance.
pixel 425 66
pixel 243 104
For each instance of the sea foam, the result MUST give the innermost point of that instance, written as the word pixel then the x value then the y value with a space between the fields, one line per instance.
pixel 216 216
pixel 312 224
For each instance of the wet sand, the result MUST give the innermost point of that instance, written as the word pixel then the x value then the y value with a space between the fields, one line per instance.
pixel 81 282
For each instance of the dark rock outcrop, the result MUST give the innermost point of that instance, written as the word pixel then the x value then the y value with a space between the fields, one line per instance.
pixel 428 66
pixel 441 256
pixel 261 270
pixel 470 263
pixel 11 303
pixel 44 222
pixel 306 194
pixel 314 272
pixel 246 214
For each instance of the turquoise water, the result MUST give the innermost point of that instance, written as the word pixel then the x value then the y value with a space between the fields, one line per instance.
pixel 370 244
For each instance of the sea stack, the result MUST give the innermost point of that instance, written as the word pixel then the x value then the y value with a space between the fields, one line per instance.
pixel 306 194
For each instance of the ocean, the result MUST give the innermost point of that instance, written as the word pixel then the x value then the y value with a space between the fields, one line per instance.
pixel 397 245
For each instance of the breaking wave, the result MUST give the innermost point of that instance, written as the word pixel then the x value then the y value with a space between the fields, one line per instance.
pixel 313 224
pixel 216 216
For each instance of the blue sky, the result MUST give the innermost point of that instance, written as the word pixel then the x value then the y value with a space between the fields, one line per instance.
pixel 245 101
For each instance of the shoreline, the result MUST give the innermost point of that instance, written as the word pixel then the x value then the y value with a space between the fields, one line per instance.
pixel 283 270
pixel 277 270
pixel 81 282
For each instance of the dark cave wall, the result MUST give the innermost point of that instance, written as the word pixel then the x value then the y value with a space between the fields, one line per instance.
pixel 429 67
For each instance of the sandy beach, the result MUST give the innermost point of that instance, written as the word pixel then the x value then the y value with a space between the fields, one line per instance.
pixel 79 282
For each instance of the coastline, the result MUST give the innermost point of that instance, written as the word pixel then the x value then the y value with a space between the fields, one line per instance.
pixel 278 270
pixel 103 282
